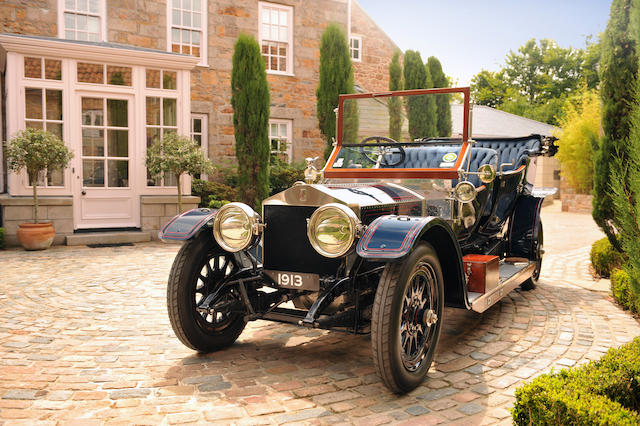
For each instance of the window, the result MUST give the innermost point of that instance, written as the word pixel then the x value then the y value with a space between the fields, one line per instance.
pixel 280 138
pixel 355 47
pixel 199 134
pixel 96 73
pixel 188 27
pixel 155 77
pixel 81 19
pixel 43 110
pixel 162 117
pixel 33 68
pixel 276 37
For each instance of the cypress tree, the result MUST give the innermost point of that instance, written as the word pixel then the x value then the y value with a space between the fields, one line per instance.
pixel 421 110
pixel 336 77
pixel 395 103
pixel 250 101
pixel 443 107
pixel 618 76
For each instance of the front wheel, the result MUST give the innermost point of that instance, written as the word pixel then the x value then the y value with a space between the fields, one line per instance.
pixel 198 270
pixel 406 319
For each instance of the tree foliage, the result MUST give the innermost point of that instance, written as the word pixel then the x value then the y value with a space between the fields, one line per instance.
pixel 36 151
pixel 336 77
pixel 443 107
pixel 421 110
pixel 580 124
pixel 618 74
pixel 395 102
pixel 537 79
pixel 250 101
pixel 176 155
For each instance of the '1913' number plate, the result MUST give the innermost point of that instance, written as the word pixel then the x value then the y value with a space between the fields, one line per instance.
pixel 295 280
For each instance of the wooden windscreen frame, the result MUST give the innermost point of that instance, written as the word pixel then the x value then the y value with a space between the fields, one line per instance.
pixel 439 173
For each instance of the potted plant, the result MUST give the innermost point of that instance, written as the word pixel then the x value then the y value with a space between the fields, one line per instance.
pixel 176 155
pixel 36 151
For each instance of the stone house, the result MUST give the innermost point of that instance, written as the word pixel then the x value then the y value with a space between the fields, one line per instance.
pixel 109 80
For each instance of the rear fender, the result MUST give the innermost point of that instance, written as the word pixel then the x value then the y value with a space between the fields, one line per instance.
pixel 523 229
pixel 392 237
pixel 187 225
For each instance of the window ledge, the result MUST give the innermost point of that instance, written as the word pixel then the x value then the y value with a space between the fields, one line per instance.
pixel 286 74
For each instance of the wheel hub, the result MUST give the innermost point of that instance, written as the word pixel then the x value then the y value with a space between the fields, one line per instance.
pixel 429 317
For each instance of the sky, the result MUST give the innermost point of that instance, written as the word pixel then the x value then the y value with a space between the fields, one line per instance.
pixel 470 35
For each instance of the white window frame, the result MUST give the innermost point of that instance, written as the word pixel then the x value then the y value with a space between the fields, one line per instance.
pixel 162 127
pixel 261 9
pixel 352 49
pixel 204 136
pixel 102 14
pixel 203 29
pixel 289 127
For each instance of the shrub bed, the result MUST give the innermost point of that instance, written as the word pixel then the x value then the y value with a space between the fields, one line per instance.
pixel 2 238
pixel 605 258
pixel 601 392
pixel 212 191
pixel 623 292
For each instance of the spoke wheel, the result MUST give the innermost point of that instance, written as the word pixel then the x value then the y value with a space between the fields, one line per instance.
pixel 199 269
pixel 406 320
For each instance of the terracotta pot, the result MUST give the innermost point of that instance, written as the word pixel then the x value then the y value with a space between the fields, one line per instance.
pixel 36 236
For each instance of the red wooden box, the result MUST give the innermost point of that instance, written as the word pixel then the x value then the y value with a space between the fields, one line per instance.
pixel 482 272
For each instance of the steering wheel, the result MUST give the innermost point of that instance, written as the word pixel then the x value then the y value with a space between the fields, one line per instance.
pixel 382 155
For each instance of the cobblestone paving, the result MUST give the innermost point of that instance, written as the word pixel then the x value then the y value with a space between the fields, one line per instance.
pixel 84 338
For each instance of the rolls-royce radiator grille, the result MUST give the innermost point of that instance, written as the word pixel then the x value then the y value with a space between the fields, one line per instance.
pixel 286 246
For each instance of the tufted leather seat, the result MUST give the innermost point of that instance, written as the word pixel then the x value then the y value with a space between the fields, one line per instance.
pixel 512 151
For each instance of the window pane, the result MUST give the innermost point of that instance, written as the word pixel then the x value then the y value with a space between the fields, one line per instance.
pixel 283 34
pixel 92 37
pixel 186 19
pixel 274 17
pixel 92 112
pixel 175 17
pixel 120 76
pixel 197 5
pixel 118 173
pixel 176 3
pixel 55 177
pixel 55 128
pixel 186 4
pixel 69 34
pixel 93 142
pixel 52 69
pixel 196 20
pixel 93 24
pixel 153 78
pixel 34 124
pixel 93 173
pixel 169 180
pixel 283 18
pixel 175 35
pixel 118 143
pixel 69 21
pixel 33 103
pixel 153 134
pixel 54 104
pixel 169 116
pixel 153 111
pixel 90 73
pixel 33 67
pixel 81 22
pixel 117 115
pixel 197 125
pixel 81 5
pixel 185 36
pixel 195 38
pixel 69 4
pixel 94 6
pixel 169 80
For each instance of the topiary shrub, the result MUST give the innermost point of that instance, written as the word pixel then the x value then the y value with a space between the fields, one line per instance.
pixel 3 242
pixel 282 175
pixel 605 258
pixel 209 191
pixel 601 392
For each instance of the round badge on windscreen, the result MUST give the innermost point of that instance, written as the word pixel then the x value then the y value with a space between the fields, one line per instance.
pixel 449 159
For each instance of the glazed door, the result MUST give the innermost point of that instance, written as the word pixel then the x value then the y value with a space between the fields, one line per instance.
pixel 105 195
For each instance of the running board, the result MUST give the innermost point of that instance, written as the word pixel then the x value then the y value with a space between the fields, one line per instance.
pixel 486 300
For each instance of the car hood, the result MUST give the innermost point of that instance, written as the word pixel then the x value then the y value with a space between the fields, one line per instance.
pixel 353 195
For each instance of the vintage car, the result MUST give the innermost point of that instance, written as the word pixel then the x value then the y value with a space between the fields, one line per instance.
pixel 393 231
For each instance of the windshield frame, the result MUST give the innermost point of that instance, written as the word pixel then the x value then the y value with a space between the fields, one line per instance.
pixel 439 173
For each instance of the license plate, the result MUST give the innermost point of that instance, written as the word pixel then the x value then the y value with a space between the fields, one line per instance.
pixel 295 280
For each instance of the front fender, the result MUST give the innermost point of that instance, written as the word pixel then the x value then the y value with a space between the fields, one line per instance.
pixel 186 225
pixel 391 237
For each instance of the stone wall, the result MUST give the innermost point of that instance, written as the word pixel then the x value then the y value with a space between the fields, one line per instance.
pixel 32 17
pixel 58 210
pixel 572 201
pixel 377 50
pixel 158 210
pixel 140 23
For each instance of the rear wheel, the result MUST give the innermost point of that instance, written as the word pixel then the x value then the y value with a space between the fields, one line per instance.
pixel 406 320
pixel 198 270
pixel 530 284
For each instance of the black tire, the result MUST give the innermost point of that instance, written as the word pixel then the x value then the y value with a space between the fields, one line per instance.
pixel 403 365
pixel 530 284
pixel 198 268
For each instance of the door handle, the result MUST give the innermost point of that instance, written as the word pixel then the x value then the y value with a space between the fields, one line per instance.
pixel 84 192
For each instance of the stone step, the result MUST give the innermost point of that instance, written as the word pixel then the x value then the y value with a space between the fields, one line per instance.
pixel 115 237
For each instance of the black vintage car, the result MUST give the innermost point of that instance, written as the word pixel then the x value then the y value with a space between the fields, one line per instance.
pixel 395 229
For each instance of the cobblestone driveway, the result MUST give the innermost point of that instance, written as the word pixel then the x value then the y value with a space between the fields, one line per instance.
pixel 84 338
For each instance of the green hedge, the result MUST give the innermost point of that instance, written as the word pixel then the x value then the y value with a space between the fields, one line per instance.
pixel 622 290
pixel 605 258
pixel 212 191
pixel 3 242
pixel 603 392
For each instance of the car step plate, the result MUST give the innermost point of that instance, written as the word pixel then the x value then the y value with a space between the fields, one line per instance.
pixel 295 280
